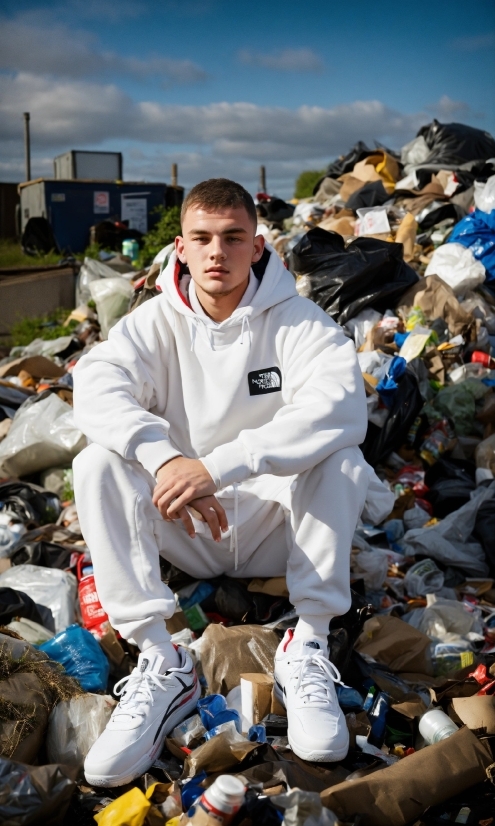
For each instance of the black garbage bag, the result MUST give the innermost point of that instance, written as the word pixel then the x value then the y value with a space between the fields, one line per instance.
pixel 11 398
pixel 450 483
pixel 456 143
pixel 15 604
pixel 45 554
pixel 484 531
pixel 38 237
pixel 31 503
pixel 346 163
pixel 345 630
pixel 345 280
pixel 379 442
pixel 275 210
pixel 34 794
pixel 370 195
pixel 441 213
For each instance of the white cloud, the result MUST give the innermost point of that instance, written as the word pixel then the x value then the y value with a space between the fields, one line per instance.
pixel 221 138
pixel 285 60
pixel 446 108
pixel 27 46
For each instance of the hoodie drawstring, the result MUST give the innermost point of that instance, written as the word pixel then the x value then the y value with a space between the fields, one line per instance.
pixel 194 330
pixel 234 548
pixel 245 326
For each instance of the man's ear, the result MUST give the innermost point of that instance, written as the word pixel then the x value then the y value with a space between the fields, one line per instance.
pixel 180 250
pixel 259 246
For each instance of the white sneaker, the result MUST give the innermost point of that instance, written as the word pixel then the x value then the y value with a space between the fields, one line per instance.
pixel 305 683
pixel 152 704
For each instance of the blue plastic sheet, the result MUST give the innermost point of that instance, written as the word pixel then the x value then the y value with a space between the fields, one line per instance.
pixel 387 387
pixel 81 656
pixel 477 232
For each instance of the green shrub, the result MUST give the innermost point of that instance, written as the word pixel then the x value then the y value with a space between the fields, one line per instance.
pixel 163 233
pixel 306 182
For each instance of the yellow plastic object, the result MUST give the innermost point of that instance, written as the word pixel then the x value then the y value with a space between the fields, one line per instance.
pixel 128 810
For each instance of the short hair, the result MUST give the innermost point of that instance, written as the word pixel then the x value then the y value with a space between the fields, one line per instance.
pixel 219 193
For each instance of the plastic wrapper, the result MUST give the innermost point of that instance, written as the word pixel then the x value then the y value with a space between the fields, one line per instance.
pixel 34 794
pixel 188 730
pixel 229 652
pixel 11 530
pixel 346 280
pixel 304 809
pixel 445 620
pixel 112 297
pixel 43 434
pixel 458 267
pixel 484 195
pixel 423 578
pixel 80 654
pixel 371 566
pixel 47 586
pixel 361 324
pixel 74 726
pixel 450 540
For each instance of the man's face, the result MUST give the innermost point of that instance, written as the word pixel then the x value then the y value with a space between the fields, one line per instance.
pixel 219 248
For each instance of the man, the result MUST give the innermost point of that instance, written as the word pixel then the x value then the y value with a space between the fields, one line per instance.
pixel 224 417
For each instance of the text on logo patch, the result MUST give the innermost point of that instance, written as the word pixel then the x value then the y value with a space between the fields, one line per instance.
pixel 268 380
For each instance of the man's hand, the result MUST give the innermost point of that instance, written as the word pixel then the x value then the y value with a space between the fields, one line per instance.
pixel 182 481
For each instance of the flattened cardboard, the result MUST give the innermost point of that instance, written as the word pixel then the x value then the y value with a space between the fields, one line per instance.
pixel 399 794
pixel 256 693
pixel 39 367
pixel 477 713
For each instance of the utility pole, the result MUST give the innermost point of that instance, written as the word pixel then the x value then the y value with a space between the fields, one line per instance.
pixel 27 147
pixel 262 179
pixel 175 174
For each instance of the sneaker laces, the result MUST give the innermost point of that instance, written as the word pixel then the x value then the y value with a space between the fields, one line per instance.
pixel 314 673
pixel 136 689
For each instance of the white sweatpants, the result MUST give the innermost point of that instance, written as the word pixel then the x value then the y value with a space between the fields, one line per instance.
pixel 300 527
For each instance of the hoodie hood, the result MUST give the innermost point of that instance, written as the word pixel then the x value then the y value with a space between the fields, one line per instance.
pixel 277 284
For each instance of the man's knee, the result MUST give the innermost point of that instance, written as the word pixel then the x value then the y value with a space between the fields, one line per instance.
pixel 94 462
pixel 349 461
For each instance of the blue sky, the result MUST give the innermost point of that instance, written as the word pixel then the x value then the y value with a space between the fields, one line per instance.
pixel 221 87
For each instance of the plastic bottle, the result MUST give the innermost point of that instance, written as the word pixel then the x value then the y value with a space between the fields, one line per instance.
pixel 130 247
pixel 435 725
pixel 378 719
pixel 219 803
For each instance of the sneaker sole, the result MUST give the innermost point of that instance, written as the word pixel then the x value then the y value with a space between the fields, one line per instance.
pixel 145 762
pixel 328 756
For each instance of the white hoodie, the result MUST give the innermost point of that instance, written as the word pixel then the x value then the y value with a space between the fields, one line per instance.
pixel 274 389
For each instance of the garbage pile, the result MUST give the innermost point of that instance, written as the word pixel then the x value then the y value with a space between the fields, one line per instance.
pixel 401 252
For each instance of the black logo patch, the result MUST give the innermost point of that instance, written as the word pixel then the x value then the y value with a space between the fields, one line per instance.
pixel 268 380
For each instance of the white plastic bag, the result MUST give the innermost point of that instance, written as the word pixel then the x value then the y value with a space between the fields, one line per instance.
pixel 457 266
pixel 51 587
pixel 11 530
pixel 74 726
pixel 372 566
pixel 445 620
pixel 111 296
pixel 30 631
pixel 42 435
pixel 415 153
pixel 484 195
pixel 425 577
pixel 91 270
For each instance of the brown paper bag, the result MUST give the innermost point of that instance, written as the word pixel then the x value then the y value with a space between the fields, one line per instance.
pixel 229 652
pixel 395 643
pixel 276 586
pixel 39 367
pixel 437 300
pixel 406 235
pixel 397 795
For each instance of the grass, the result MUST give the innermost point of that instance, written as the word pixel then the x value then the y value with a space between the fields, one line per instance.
pixel 11 255
pixel 48 327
